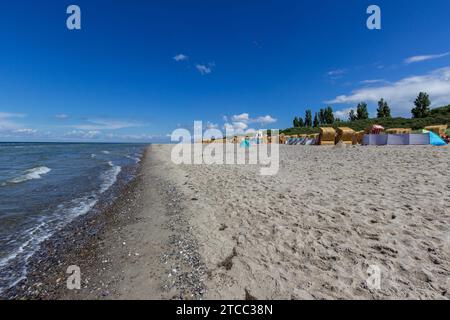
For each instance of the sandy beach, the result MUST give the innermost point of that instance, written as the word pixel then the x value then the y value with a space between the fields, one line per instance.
pixel 192 154
pixel 312 231
pixel 225 232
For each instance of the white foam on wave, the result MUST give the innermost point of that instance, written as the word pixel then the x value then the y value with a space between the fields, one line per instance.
pixel 135 159
pixel 31 174
pixel 105 152
pixel 37 235
pixel 110 177
pixel 80 207
pixel 23 246
pixel 63 215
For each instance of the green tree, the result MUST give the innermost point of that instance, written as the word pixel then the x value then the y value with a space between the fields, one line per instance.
pixel 295 123
pixel 329 115
pixel 380 109
pixel 316 120
pixel 361 111
pixel 308 118
pixel 322 116
pixel 422 106
pixel 387 111
pixel 352 115
pixel 301 123
pixel 383 111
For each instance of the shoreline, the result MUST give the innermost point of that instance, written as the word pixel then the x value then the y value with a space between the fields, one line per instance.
pixel 66 243
pixel 100 244
pixel 226 232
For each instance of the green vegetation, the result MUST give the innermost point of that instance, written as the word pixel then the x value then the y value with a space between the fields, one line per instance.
pixel 352 115
pixel 316 121
pixel 359 120
pixel 422 106
pixel 308 118
pixel 303 130
pixel 361 111
pixel 436 116
pixel 383 111
pixel 324 116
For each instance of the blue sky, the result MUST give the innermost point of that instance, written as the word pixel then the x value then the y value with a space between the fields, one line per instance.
pixel 137 70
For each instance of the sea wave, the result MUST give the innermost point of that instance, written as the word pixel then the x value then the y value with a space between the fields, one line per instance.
pixel 64 214
pixel 22 248
pixel 31 174
pixel 11 277
pixel 110 176
pixel 135 159
pixel 48 213
pixel 79 207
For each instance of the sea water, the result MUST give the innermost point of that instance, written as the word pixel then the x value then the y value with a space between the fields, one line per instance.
pixel 44 186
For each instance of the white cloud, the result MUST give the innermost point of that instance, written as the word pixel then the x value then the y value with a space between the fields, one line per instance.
pixel 265 120
pixel 106 124
pixel 92 130
pixel 86 135
pixel 342 114
pixel 210 125
pixel 415 59
pixel 133 137
pixel 61 116
pixel 337 72
pixel 10 129
pixel 82 134
pixel 244 117
pixel 6 122
pixel 240 123
pixel 374 81
pixel 235 128
pixel 205 69
pixel 11 115
pixel 25 131
pixel 180 57
pixel 401 94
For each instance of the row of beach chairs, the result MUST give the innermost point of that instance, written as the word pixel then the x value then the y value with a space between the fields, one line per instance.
pixel 301 141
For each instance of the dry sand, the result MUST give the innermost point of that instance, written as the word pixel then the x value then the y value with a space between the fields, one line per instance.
pixel 313 230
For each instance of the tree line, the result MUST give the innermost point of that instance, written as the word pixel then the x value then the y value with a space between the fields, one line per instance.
pixel 326 116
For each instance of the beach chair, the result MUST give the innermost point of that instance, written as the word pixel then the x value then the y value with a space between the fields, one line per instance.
pixel 327 136
pixel 345 135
